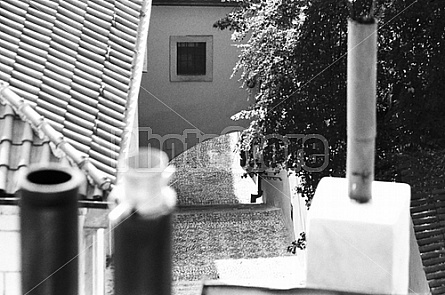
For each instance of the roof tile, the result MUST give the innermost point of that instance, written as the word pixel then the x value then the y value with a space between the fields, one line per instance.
pixel 72 61
pixel 429 222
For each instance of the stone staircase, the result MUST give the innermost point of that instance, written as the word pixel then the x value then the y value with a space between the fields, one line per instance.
pixel 218 234
pixel 210 174
pixel 239 243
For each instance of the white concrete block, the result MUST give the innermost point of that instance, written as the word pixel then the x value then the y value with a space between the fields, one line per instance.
pixel 9 223
pixel 9 251
pixel 2 283
pixel 9 210
pixel 277 192
pixel 9 218
pixel 13 283
pixel 359 247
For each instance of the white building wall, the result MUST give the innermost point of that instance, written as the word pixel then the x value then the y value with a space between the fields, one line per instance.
pixel 171 107
pixel 9 251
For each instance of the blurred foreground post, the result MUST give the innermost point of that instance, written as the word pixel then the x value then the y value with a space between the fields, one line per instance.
pixel 49 230
pixel 359 229
pixel 361 108
pixel 142 225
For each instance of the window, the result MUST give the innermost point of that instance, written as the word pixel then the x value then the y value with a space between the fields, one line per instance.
pixel 191 58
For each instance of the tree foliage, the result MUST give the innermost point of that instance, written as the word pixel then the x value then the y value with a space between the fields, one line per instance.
pixel 294 51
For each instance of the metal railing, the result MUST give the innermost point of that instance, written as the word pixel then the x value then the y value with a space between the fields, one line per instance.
pixel 14 201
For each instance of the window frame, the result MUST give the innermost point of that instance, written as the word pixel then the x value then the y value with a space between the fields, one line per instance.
pixel 174 40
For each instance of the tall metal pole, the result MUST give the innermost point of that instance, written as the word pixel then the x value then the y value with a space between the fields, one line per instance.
pixel 49 230
pixel 361 108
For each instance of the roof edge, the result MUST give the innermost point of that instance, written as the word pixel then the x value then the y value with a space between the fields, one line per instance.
pixel 59 146
pixel 203 3
pixel 130 142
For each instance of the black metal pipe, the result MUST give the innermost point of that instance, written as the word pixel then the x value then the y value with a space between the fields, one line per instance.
pixel 49 230
pixel 143 227
pixel 143 255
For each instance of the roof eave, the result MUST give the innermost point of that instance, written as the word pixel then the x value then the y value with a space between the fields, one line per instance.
pixel 196 3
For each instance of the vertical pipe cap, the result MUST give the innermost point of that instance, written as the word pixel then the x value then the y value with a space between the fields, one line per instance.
pixel 50 183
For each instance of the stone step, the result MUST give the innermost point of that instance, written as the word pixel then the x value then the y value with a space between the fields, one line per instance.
pixel 225 242
pixel 210 174
pixel 274 272
pixel 186 288
pixel 265 272
pixel 206 186
pixel 203 237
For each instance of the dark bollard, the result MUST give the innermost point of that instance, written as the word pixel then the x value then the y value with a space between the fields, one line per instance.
pixel 143 227
pixel 142 256
pixel 49 230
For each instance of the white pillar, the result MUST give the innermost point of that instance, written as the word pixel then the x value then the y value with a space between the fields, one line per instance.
pixel 99 262
pixel 299 216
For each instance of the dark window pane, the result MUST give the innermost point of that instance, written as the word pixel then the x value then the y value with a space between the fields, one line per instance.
pixel 191 58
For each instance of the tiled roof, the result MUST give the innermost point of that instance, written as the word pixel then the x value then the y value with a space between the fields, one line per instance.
pixel 195 2
pixel 21 147
pixel 77 63
pixel 425 173
pixel 428 213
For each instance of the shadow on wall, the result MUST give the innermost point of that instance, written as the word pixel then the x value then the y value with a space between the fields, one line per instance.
pixel 176 144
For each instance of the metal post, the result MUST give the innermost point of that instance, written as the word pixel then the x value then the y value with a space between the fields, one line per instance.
pixel 143 227
pixel 361 108
pixel 49 230
pixel 143 256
